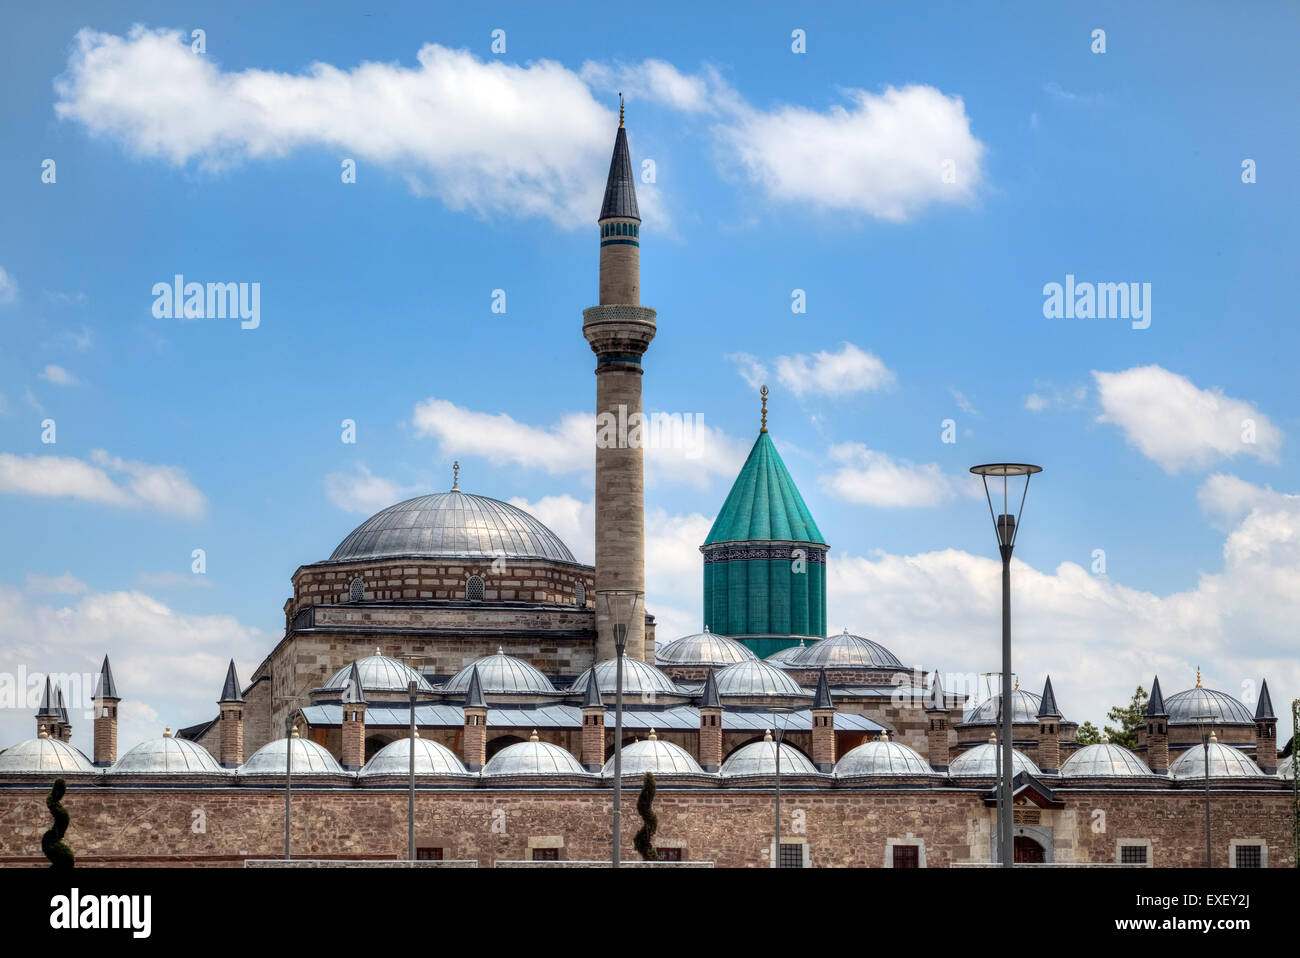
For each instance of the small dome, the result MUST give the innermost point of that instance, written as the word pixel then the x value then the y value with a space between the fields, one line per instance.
pixel 756 677
pixel 1286 769
pixel 882 757
pixel 703 648
pixel 759 758
pixel 1193 705
pixel 533 758
pixel 1103 760
pixel 982 762
pixel 779 659
pixel 379 673
pixel 308 759
pixel 653 755
pixel 168 756
pixel 1025 706
pixel 1225 762
pixel 639 678
pixel 44 755
pixel 501 674
pixel 844 651
pixel 431 758
pixel 452 525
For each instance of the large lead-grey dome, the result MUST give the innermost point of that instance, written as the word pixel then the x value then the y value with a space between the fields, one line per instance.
pixel 652 755
pixel 379 673
pixel 431 758
pixel 168 756
pixel 309 758
pixel 533 758
pixel 843 651
pixel 759 758
pixel 983 761
pixel 756 677
pixel 639 678
pixel 1024 704
pixel 882 757
pixel 452 524
pixel 1198 705
pixel 1225 762
pixel 702 648
pixel 501 674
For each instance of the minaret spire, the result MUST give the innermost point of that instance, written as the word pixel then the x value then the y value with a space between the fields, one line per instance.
pixel 620 109
pixel 763 395
pixel 619 331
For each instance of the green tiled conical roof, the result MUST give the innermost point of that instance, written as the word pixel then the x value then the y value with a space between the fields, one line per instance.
pixel 764 504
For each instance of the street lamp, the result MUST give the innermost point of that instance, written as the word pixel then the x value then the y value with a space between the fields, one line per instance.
pixel 777 734
pixel 412 687
pixel 290 727
pixel 621 606
pixel 1006 526
pixel 1202 720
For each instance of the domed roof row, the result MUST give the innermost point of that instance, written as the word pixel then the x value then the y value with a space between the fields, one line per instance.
pixel 843 651
pixel 703 648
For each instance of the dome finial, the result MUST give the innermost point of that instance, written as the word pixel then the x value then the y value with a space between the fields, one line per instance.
pixel 1213 736
pixel 1198 676
pixel 620 109
pixel 653 736
pixel 533 737
pixel 167 731
pixel 1017 683
pixel 455 476
pixel 767 735
pixel 1105 739
pixel 763 396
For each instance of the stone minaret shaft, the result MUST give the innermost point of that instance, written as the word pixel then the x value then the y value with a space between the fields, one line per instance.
pixel 619 331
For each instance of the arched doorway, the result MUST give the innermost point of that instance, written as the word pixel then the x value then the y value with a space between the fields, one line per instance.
pixel 1028 851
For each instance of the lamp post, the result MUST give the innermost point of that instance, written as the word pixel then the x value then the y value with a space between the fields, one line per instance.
pixel 1006 526
pixel 621 606
pixel 1202 720
pixel 777 734
pixel 412 687
pixel 289 726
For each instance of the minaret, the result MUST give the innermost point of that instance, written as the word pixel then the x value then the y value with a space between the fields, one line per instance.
pixel 231 710
pixel 106 701
pixel 619 331
pixel 1049 730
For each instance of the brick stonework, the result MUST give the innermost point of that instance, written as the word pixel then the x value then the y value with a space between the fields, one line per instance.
pixel 475 739
pixel 732 827
pixel 710 739
pixel 105 733
pixel 593 738
pixel 353 734
pixel 1156 735
pixel 231 748
pixel 1049 745
pixel 1266 746
pixel 823 738
pixel 937 744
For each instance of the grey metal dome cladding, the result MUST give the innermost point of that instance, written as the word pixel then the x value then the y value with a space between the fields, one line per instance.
pixel 639 678
pixel 44 755
pixel 1185 707
pixel 653 755
pixel 308 759
pixel 757 677
pixel 843 651
pixel 1225 762
pixel 1024 705
pixel 702 648
pixel 882 758
pixel 452 524
pixel 501 673
pixel 759 758
pixel 431 758
pixel 533 758
pixel 1104 760
pixel 982 762
pixel 168 756
pixel 380 673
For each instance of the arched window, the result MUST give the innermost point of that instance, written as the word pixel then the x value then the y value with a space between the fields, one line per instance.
pixel 356 590
pixel 474 589
pixel 579 594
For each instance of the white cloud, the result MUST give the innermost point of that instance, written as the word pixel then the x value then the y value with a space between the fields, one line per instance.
pixel 483 135
pixel 168 665
pixel 104 479
pixel 884 155
pixel 1175 424
pixel 8 288
pixel 873 478
pixel 59 376
pixel 173 580
pixel 659 81
pixel 363 492
pixel 1048 396
pixel 963 403
pixel 1226 499
pixel 850 370
pixel 677 452
pixel 66 584
pixel 573 520
pixel 750 368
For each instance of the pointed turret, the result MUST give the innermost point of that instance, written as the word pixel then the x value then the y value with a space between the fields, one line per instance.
pixel 822 698
pixel 230 691
pixel 1265 732
pixel 105 687
pixel 936 736
pixel 1156 703
pixel 620 185
pixel 593 725
pixel 591 699
pixel 1047 707
pixel 709 698
pixel 710 743
pixel 823 726
pixel 1264 709
pixel 936 700
pixel 474 694
pixel 353 693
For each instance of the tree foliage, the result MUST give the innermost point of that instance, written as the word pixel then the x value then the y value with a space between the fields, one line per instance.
pixel 645 837
pixel 1128 718
pixel 1087 734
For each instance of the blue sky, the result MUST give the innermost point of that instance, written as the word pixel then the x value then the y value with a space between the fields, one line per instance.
pixel 774 171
